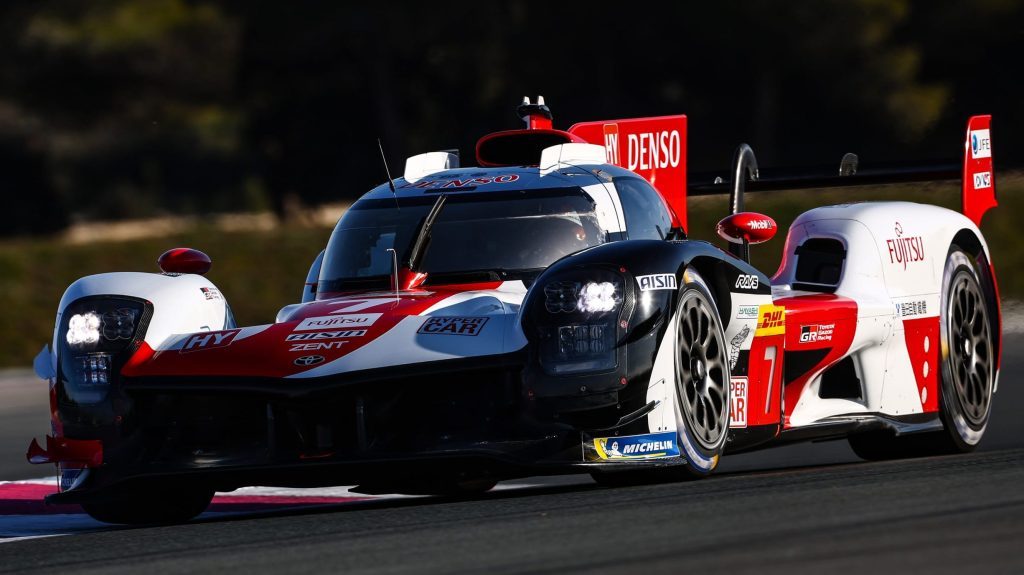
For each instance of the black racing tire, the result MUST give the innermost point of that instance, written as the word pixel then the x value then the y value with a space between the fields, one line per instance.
pixel 158 506
pixel 967 372
pixel 701 392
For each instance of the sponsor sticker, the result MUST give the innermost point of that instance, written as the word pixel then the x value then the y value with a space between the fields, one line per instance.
pixel 209 340
pixel 611 143
pixel 738 398
pixel 317 345
pixel 656 282
pixel 348 320
pixel 736 344
pixel 651 150
pixel 647 446
pixel 771 320
pixel 981 144
pixel 904 250
pixel 443 325
pixel 308 360
pixel 982 180
pixel 211 293
pixel 315 335
pixel 448 183
pixel 816 332
pixel 746 312
pixel 913 307
pixel 746 281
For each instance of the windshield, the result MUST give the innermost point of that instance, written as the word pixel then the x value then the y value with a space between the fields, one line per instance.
pixel 475 232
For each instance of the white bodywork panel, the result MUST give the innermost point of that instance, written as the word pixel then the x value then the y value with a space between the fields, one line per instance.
pixel 179 303
pixel 422 165
pixel 895 253
pixel 502 334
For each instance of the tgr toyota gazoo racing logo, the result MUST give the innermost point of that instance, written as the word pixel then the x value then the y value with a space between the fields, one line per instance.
pixel 904 250
pixel 816 332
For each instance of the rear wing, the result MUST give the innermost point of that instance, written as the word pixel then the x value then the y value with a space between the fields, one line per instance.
pixel 975 170
pixel 654 148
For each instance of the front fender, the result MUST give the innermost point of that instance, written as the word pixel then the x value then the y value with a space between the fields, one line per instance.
pixel 183 303
pixel 651 274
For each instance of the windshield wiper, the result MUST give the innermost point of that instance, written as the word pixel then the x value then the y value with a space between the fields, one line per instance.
pixel 422 240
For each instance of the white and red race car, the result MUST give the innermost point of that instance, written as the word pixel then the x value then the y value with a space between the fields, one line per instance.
pixel 542 312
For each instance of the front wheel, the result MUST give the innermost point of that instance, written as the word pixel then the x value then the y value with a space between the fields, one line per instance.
pixel 702 380
pixel 701 392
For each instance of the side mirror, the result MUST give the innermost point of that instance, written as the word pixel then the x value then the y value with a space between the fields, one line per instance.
pixel 747 227
pixel 312 278
pixel 184 261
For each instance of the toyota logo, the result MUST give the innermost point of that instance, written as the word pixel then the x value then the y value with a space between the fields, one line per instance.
pixel 308 360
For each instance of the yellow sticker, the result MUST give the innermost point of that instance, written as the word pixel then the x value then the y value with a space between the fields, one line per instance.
pixel 771 320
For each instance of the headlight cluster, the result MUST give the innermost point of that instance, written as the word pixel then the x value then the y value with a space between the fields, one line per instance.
pixel 589 297
pixel 85 329
pixel 96 334
pixel 577 324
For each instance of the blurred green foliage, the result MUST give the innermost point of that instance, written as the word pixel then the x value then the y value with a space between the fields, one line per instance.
pixel 131 108
pixel 259 272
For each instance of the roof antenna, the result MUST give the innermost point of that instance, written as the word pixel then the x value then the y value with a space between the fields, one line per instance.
pixel 391 183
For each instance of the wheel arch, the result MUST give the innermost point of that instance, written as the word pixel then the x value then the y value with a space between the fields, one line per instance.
pixel 975 247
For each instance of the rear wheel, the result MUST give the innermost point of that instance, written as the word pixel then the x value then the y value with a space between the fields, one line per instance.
pixel 701 391
pixel 967 374
pixel 155 505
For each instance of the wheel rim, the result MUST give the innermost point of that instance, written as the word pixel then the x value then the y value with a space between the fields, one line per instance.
pixel 701 371
pixel 970 349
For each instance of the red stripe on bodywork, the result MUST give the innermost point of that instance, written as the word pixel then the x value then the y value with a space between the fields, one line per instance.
pixel 764 375
pixel 816 310
pixel 269 354
pixel 922 337
pixel 999 315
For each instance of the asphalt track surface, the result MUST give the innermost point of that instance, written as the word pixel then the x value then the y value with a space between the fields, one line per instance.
pixel 804 508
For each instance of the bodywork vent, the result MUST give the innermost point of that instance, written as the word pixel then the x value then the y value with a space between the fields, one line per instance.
pixel 819 265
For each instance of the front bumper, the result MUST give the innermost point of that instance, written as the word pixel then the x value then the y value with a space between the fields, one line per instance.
pixel 395 427
pixel 470 422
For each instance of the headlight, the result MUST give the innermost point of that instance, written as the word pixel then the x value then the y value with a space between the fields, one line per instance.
pixel 83 329
pixel 577 326
pixel 598 297
pixel 587 297
pixel 98 336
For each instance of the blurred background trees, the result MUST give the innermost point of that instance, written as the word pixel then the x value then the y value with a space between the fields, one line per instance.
pixel 127 108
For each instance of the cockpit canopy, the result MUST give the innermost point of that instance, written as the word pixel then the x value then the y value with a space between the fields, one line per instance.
pixel 477 236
